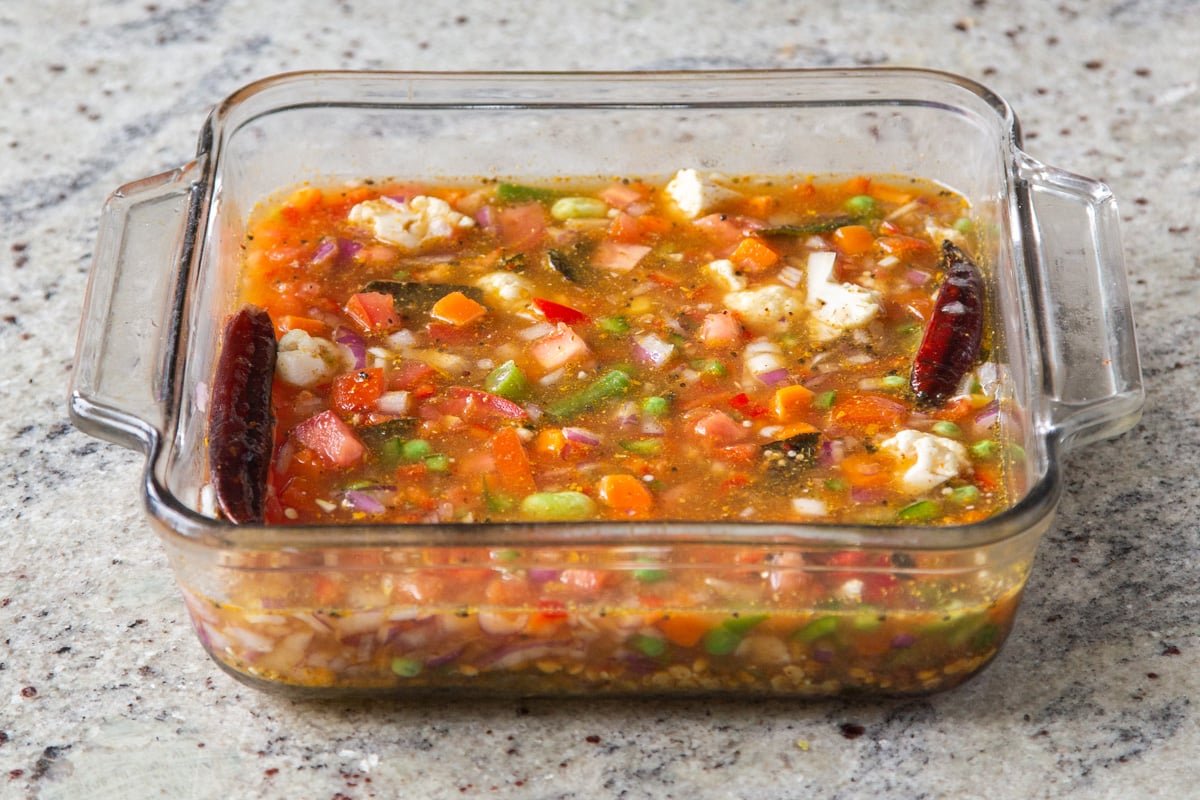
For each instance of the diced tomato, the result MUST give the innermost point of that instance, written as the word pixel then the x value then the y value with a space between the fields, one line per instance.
pixel 720 329
pixel 374 312
pixel 330 438
pixel 899 245
pixel 556 312
pixel 409 374
pixel 559 348
pixel 719 429
pixel 622 195
pixel 357 390
pixel 521 227
pixel 618 257
pixel 742 403
pixel 476 405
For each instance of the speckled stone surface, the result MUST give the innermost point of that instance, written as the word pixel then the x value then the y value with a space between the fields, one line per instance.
pixel 105 693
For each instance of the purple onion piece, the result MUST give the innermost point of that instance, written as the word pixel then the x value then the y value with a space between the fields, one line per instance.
pixel 361 501
pixel 773 377
pixel 581 436
pixel 916 277
pixel 903 640
pixel 356 344
pixel 326 250
pixel 444 659
pixel 542 575
pixel 822 654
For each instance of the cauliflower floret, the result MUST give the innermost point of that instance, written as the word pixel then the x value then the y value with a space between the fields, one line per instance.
pixel 507 290
pixel 837 306
pixel 767 309
pixel 305 360
pixel 696 194
pixel 412 225
pixel 938 459
pixel 724 273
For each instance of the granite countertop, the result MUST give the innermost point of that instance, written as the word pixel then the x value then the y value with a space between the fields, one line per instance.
pixel 110 695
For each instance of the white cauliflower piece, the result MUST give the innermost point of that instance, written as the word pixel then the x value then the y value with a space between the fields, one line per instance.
pixel 724 273
pixel 412 225
pixel 767 309
pixel 937 459
pixel 696 195
pixel 306 360
pixel 836 306
pixel 506 290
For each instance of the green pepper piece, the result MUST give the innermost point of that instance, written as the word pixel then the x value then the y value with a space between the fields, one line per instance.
pixel 406 667
pixel 508 381
pixel 519 193
pixel 611 384
pixel 741 625
pixel 721 641
pixel 651 575
pixel 650 646
pixel 920 511
pixel 558 506
pixel 817 629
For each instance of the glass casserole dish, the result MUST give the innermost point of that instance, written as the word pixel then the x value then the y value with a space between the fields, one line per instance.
pixel 788 608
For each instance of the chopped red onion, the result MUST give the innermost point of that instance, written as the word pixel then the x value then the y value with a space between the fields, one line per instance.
pixel 357 346
pixel 347 249
pixel 987 416
pixel 773 377
pixel 650 349
pixel 917 277
pixel 361 501
pixel 542 575
pixel 486 217
pixel 627 413
pixel 326 250
pixel 581 436
pixel 393 403
pixel 866 494
pixel 822 654
pixel 652 427
pixel 903 640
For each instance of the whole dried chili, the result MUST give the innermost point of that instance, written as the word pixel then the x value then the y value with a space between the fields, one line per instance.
pixel 241 423
pixel 954 335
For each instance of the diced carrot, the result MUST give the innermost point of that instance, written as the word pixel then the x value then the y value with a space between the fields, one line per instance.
pixel 292 322
pixel 512 464
pixel 682 628
pixel 357 391
pixel 865 470
pixel 859 184
pixel 550 442
pixel 854 239
pixel 890 194
pixel 760 205
pixel 625 493
pixel 326 590
pixel 791 403
pixel 305 199
pixel 753 255
pixel 457 309
pixel 869 412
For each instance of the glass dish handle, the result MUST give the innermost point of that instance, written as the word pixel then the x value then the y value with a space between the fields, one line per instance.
pixel 1091 358
pixel 119 382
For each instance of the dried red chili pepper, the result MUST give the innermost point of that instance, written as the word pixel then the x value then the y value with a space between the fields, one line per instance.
pixel 954 335
pixel 241 424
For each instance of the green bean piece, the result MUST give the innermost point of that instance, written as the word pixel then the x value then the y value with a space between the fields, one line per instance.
pixel 825 400
pixel 965 495
pixel 920 511
pixel 651 575
pixel 650 646
pixel 415 449
pixel 861 205
pixel 984 448
pixel 741 625
pixel 643 447
pixel 406 667
pixel 721 641
pixel 611 384
pixel 817 629
pixel 656 406
pixel 946 428
pixel 613 325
